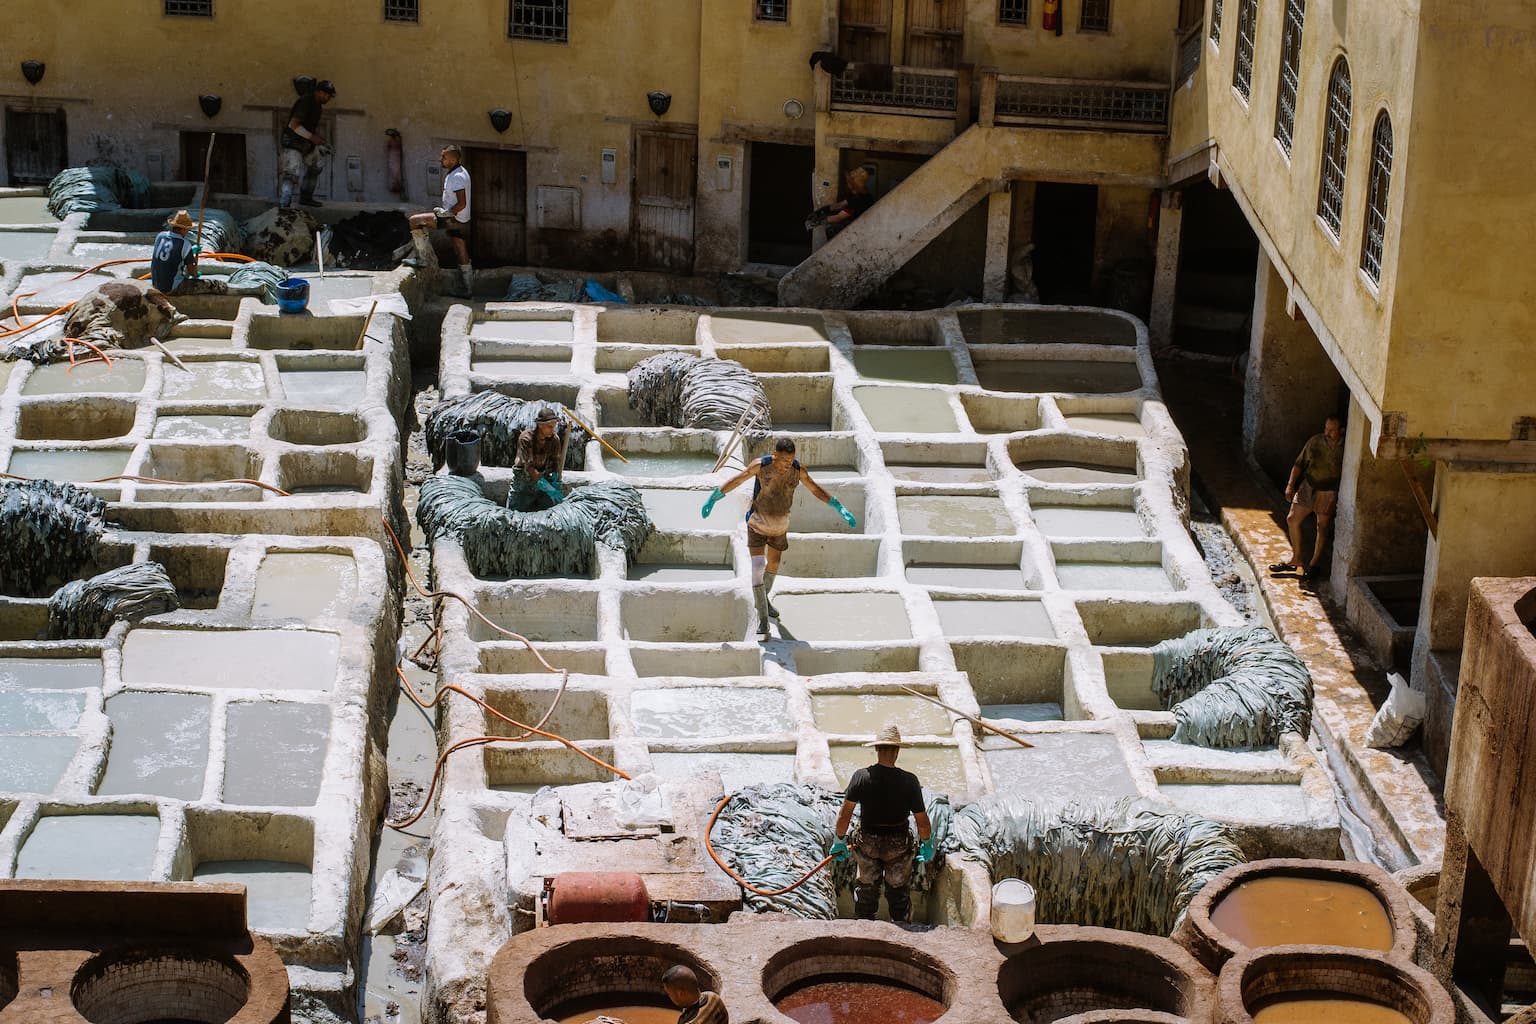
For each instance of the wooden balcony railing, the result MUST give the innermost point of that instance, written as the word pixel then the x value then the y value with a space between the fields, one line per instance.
pixel 926 92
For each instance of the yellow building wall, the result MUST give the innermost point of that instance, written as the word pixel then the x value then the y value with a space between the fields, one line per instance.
pixel 1139 45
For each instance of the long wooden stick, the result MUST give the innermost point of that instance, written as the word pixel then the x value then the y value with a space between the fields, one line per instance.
pixel 1425 508
pixel 207 173
pixel 974 721
pixel 583 426
pixel 169 354
pixel 362 335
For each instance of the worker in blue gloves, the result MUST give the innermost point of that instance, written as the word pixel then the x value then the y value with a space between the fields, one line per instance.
pixel 775 478
pixel 882 846
pixel 536 470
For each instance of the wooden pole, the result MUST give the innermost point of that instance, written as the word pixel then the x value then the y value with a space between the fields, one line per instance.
pixel 169 354
pixel 595 435
pixel 974 721
pixel 362 335
pixel 736 433
pixel 207 173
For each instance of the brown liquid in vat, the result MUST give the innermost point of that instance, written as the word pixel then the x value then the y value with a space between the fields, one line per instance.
pixel 1332 1009
pixel 629 1013
pixel 1281 910
pixel 859 1002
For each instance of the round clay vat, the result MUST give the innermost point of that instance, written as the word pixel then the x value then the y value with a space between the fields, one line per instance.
pixel 142 987
pixel 1100 975
pixel 846 958
pixel 612 970
pixel 1213 947
pixel 1260 977
pixel 7 977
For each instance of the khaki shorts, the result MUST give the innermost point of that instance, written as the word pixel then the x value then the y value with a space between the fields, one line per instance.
pixel 1324 503
pixel 455 228
pixel 758 539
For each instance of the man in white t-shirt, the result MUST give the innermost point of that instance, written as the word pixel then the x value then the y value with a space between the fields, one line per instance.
pixel 451 216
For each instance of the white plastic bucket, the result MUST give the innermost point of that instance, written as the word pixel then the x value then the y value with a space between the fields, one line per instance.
pixel 1013 910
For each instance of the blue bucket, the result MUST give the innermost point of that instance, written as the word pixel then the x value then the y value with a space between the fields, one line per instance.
pixel 293 295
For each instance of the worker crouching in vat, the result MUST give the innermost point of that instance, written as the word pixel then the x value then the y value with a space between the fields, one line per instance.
pixel 882 846
pixel 775 478
pixel 536 471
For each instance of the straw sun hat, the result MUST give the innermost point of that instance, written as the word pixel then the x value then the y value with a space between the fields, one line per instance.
pixel 181 219
pixel 890 736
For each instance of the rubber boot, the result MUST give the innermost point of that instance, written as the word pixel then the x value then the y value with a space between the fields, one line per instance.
pixel 900 903
pixel 285 195
pixel 866 901
pixel 768 578
pixel 760 599
pixel 467 275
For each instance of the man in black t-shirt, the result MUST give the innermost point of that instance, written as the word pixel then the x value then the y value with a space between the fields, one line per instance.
pixel 882 846
pixel 303 147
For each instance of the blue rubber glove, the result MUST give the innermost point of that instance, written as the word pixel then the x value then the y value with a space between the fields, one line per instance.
pixel 709 506
pixel 839 851
pixel 837 507
pixel 550 489
pixel 925 851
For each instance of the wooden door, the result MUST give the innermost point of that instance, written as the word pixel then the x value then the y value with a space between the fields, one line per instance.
pixel 864 31
pixel 662 200
pixel 227 172
pixel 935 31
pixel 498 206
pixel 36 145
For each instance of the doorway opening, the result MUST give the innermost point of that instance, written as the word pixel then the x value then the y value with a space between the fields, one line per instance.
pixel 1065 225
pixel 36 145
pixel 227 172
pixel 662 200
pixel 777 202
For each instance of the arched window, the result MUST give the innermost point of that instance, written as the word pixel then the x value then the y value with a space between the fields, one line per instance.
pixel 1374 242
pixel 1242 57
pixel 1215 21
pixel 1330 190
pixel 1290 60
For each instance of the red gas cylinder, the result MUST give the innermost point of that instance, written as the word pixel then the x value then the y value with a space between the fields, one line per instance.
pixel 585 897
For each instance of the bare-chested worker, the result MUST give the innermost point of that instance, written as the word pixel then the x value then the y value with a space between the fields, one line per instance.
pixel 776 476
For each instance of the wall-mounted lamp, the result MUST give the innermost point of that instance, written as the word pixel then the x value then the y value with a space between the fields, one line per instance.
pixel 793 109
pixel 32 71
pixel 659 101
pixel 501 119
pixel 304 84
pixel 210 104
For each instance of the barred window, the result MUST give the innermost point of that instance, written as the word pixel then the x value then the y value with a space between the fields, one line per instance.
pixel 1290 59
pixel 547 20
pixel 772 10
pixel 1215 21
pixel 1330 191
pixel 1094 16
pixel 1013 12
pixel 401 10
pixel 1372 245
pixel 1242 58
pixel 191 8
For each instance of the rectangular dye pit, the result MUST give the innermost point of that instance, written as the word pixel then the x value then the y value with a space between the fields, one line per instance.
pixel 737 770
pixel 77 465
pixel 1058 471
pixel 1142 576
pixel 680 572
pixel 560 331
pixel 522 366
pixel 305 585
pixel 34 764
pixel 967 577
pixel 823 661
pixel 1132 624
pixel 93 847
pixel 528 767
pixel 921 473
pixel 865 714
pixel 994 618
pixel 937 768
pixel 510 658
pixel 683 617
pixel 124 376
pixel 330 472
pixel 260 659
pixel 1128 679
pixel 578 714
pixel 324 387
pixel 696 712
pixel 58 288
pixel 1057 376
pixel 40 710
pixel 1238 801
pixel 92 419
pixel 203 428
pixel 1020 681
pixel 933 366
pixel 766 328
pixel 277 894
pixel 665 464
pixel 1045 327
pixel 1114 424
pixel 1063 766
pixel 540 615
pixel 831 557
pixel 1087 521
pixel 953 515
pixel 50 673
pixel 25 245
pixel 675 510
pixel 220 380
pixel 159 745
pixel 201 463
pixel 647 327
pixel 842 617
pixel 704 661
pixel 275 753
pixel 25 210
pixel 895 410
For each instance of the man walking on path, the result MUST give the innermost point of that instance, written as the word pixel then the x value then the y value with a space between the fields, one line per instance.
pixel 882 847
pixel 773 494
pixel 303 147
pixel 537 465
pixel 1313 489
pixel 452 216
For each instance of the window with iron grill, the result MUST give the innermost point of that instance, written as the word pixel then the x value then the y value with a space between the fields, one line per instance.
pixel 772 10
pixel 1094 16
pixel 1330 190
pixel 401 10
pixel 1290 59
pixel 547 20
pixel 1215 21
pixel 1242 58
pixel 191 8
pixel 1013 12
pixel 1374 242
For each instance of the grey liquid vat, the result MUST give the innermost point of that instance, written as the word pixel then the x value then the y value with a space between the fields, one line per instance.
pixel 949 515
pixel 699 711
pixel 1077 473
pixel 663 464
pixel 159 745
pixel 50 673
pixel 924 367
pixel 995 618
pixel 95 847
pixel 275 753
pixel 969 577
pixel 1116 424
pixel 1061 767
pixel 680 572
pixel 34 764
pixel 522 330
pixel 1112 576
pixel 842 617
pixel 218 380
pixel 907 410
pixel 277 894
pixel 865 714
pixel 203 428
pixel 79 465
pixel 493 367
pixel 324 387
pixel 40 711
pixel 1073 521
pixel 123 376
pixel 266 659
pixel 305 585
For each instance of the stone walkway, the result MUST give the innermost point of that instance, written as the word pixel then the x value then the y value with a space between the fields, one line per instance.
pixel 1396 792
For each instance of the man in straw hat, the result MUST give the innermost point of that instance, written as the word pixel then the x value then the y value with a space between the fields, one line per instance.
pixel 536 470
pixel 175 256
pixel 882 846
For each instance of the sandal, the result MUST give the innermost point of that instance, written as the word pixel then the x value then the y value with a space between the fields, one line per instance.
pixel 1282 567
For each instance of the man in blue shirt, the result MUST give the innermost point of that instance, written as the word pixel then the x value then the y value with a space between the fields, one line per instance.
pixel 175 256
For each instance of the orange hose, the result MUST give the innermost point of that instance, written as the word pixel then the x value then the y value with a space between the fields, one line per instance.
pixel 710 848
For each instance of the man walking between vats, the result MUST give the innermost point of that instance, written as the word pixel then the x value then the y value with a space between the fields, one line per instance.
pixel 1313 489
pixel 773 493
pixel 536 470
pixel 303 147
pixel 882 846
pixel 452 216
pixel 699 1007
